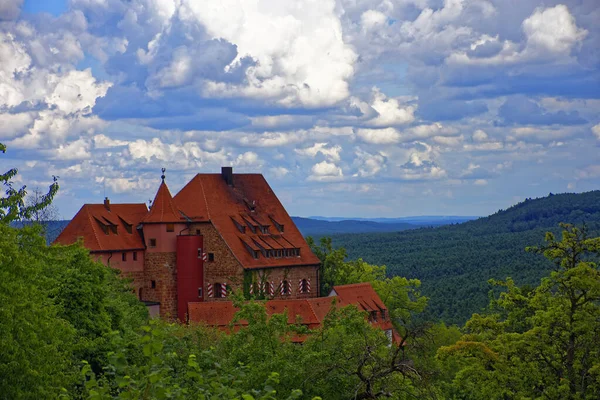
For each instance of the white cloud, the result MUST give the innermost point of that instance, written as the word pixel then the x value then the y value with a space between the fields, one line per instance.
pixel 449 141
pixel 551 33
pixel 480 182
pixel 187 156
pixel 124 185
pixel 279 172
pixel 301 58
pixel 596 131
pixel 77 150
pixel 552 30
pixel 480 136
pixel 325 172
pixel 249 159
pixel 104 142
pixel 389 111
pixel 379 136
pixel 331 153
pixel 369 164
pixel 372 18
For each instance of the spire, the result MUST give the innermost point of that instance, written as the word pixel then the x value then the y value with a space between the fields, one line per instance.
pixel 163 209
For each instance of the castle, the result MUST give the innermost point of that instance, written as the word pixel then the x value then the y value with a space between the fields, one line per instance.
pixel 221 232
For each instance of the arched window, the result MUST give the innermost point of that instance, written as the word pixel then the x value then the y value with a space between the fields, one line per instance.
pixel 140 293
pixel 285 287
pixel 217 290
pixel 304 286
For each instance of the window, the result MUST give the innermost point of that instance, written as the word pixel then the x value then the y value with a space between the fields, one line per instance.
pixel 152 243
pixel 197 231
pixel 199 292
pixel 304 286
pixel 135 256
pixel 170 227
pixel 153 284
pixel 218 290
pixel 383 315
pixel 211 257
pixel 264 229
pixel 374 316
pixel 123 256
pixel 285 287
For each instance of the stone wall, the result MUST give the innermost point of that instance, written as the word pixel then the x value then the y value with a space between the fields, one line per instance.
pixel 292 275
pixel 162 269
pixel 225 267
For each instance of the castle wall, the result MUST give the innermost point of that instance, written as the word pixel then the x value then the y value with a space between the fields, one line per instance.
pixel 225 267
pixel 292 275
pixel 162 269
pixel 166 242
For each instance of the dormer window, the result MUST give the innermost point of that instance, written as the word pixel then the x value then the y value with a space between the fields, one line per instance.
pixel 264 229
pixel 238 225
pixel 103 226
pixel 127 225
pixel 277 224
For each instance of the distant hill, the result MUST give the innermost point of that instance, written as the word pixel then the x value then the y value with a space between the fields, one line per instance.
pixel 454 262
pixel 52 228
pixel 316 228
pixel 420 220
pixel 326 226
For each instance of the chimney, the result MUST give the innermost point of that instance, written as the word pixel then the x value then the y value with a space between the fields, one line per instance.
pixel 107 203
pixel 227 175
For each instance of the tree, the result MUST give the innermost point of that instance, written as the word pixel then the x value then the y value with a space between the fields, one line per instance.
pixel 542 342
pixel 13 206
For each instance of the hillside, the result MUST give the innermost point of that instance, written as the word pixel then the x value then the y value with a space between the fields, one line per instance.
pixel 315 227
pixel 454 262
pixel 327 226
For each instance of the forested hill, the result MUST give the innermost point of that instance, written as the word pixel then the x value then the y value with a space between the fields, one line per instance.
pixel 455 262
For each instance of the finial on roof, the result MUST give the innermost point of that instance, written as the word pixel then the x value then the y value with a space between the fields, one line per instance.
pixel 163 174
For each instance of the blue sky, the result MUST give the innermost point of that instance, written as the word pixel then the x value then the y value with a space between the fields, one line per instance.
pixel 366 108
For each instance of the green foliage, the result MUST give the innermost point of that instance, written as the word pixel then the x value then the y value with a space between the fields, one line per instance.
pixel 455 262
pixel 12 205
pixel 57 307
pixel 35 342
pixel 538 343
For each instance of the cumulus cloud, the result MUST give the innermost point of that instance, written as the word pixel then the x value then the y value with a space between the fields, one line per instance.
pixel 301 58
pixel 379 136
pixel 368 164
pixel 419 168
pixel 550 33
pixel 325 172
pixel 330 153
pixel 389 111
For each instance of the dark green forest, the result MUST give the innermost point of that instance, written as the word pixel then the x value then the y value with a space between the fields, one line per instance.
pixel 455 262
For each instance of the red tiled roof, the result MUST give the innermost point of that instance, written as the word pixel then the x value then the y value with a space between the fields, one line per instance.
pixel 217 313
pixel 361 294
pixel 310 312
pixel 93 221
pixel 162 209
pixel 207 197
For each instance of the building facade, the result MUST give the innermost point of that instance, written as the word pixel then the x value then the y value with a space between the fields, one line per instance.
pixel 221 233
